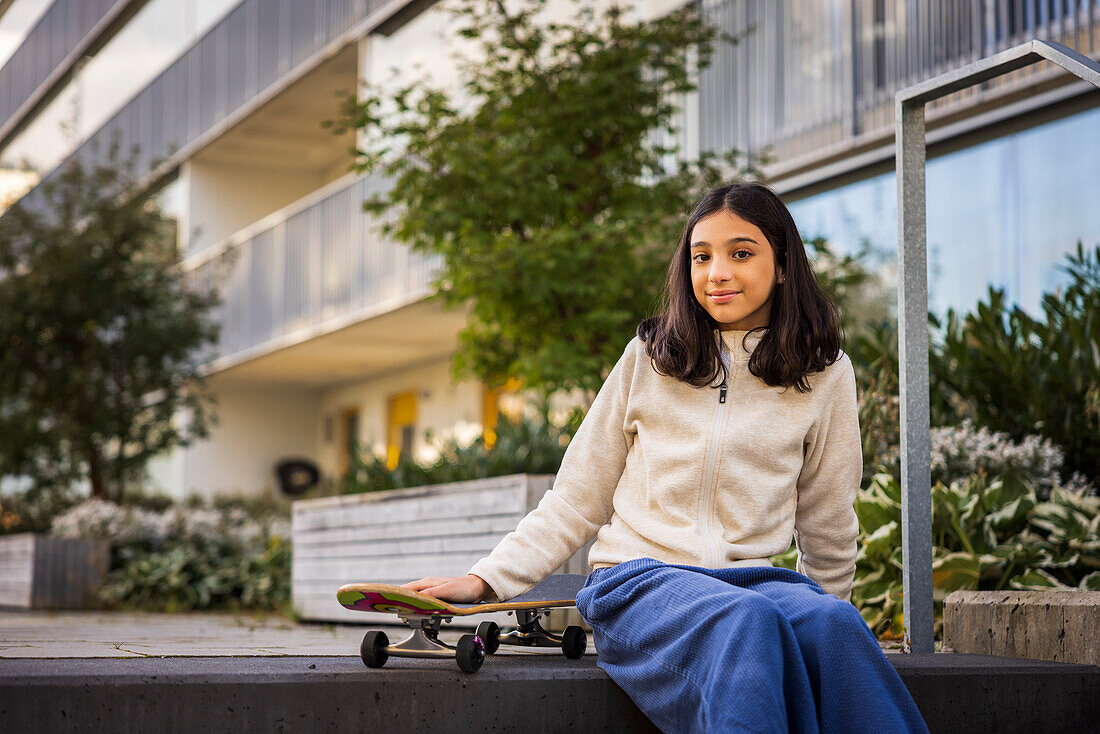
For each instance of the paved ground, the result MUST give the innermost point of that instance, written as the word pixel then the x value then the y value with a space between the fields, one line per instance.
pixel 41 634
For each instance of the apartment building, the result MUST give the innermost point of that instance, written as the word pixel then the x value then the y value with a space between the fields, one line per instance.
pixel 328 339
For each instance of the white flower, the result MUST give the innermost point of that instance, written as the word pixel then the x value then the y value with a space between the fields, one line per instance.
pixel 963 450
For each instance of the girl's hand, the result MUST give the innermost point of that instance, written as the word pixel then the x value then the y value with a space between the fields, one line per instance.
pixel 462 589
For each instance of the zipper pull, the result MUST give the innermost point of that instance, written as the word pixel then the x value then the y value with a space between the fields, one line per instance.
pixel 722 392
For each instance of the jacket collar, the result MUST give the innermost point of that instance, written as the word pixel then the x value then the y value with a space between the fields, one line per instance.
pixel 740 344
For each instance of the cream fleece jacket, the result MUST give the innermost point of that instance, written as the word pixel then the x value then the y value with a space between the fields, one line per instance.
pixel 662 469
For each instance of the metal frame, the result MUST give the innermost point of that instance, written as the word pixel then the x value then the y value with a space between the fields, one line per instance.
pixel 916 480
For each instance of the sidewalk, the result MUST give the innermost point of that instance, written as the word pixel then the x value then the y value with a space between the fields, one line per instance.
pixel 40 634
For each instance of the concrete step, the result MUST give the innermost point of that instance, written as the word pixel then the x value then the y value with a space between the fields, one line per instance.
pixel 529 693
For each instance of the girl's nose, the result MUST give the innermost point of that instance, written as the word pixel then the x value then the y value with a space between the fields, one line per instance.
pixel 720 273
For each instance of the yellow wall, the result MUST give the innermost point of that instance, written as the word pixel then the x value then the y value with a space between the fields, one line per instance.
pixel 402 417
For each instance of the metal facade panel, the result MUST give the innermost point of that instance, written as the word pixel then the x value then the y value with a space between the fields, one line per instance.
pixel 324 261
pixel 255 46
pixel 60 29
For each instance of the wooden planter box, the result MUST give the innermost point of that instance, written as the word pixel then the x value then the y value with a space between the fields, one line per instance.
pixel 40 572
pixel 404 534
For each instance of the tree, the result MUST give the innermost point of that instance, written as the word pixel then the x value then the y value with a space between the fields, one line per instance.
pixel 544 187
pixel 102 336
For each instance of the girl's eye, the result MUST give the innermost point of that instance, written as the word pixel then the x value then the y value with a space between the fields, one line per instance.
pixel 746 253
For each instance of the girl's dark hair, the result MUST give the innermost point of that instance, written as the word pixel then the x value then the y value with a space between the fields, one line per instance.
pixel 803 333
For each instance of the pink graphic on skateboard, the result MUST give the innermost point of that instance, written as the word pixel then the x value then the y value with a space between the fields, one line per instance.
pixel 373 601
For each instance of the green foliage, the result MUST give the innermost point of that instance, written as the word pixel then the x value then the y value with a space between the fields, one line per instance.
pixel 874 357
pixel 869 340
pixel 988 533
pixel 102 338
pixel 861 296
pixel 34 510
pixel 1013 373
pixel 543 184
pixel 182 578
pixel 230 553
pixel 523 446
pixel 1000 369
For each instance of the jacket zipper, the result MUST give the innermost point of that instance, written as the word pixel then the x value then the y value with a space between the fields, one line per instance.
pixel 706 509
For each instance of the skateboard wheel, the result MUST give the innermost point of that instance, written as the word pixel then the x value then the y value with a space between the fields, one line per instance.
pixel 470 653
pixel 573 642
pixel 373 649
pixel 489 632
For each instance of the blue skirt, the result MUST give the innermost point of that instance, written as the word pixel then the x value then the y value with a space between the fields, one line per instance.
pixel 741 650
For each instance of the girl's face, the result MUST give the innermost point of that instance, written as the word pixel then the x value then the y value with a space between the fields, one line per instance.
pixel 733 271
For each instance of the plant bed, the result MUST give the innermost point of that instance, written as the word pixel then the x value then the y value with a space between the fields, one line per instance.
pixel 40 572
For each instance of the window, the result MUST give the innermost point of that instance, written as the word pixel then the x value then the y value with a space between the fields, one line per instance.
pixel 1004 212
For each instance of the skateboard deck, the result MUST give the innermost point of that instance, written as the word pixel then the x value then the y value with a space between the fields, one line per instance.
pixel 559 590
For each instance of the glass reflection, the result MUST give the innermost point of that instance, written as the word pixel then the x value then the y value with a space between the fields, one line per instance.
pixel 1002 213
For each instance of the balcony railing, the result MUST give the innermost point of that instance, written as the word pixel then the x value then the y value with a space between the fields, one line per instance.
pixel 253 49
pixel 64 30
pixel 813 74
pixel 308 267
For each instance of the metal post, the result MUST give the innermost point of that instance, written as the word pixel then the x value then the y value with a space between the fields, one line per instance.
pixel 916 496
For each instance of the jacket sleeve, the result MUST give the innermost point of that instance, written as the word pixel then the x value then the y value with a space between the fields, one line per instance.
pixel 579 503
pixel 826 526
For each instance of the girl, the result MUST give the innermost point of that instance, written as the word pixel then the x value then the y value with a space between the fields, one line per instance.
pixel 728 426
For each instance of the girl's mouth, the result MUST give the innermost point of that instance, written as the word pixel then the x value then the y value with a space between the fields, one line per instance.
pixel 724 298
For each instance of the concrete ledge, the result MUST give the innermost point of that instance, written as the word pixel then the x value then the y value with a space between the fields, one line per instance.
pixel 527 693
pixel 1042 625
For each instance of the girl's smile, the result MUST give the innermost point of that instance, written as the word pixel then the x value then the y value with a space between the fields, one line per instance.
pixel 733 271
pixel 721 297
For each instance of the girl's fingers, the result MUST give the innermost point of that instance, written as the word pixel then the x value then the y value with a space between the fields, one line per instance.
pixel 425 583
pixel 461 589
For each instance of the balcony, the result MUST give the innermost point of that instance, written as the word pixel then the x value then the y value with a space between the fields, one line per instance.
pixel 815 82
pixel 314 294
pixel 259 49
pixel 68 30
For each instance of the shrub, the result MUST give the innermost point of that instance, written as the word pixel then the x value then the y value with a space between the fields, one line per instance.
pixel 189 555
pixel 1016 374
pixel 523 446
pixel 964 450
pixel 875 359
pixel 1000 520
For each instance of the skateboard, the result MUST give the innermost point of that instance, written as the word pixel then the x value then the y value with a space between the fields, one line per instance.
pixel 424 614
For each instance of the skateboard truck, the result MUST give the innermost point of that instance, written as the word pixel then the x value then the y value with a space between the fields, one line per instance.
pixel 423 642
pixel 529 632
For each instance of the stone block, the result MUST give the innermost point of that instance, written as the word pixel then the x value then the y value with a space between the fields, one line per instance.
pixel 1061 626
